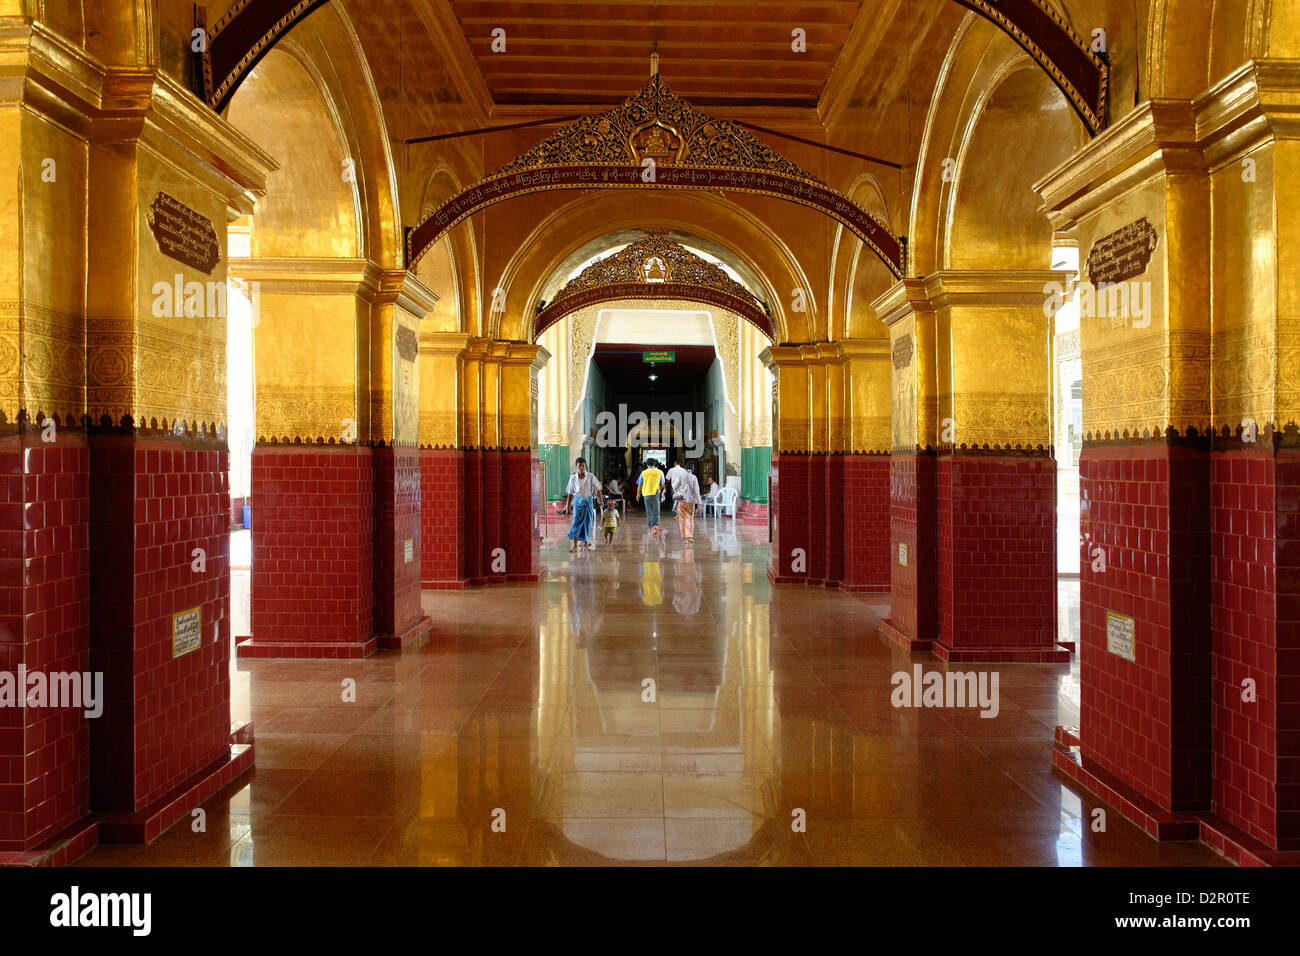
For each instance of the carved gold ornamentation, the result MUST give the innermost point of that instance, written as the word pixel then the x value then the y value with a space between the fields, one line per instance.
pixel 658 268
pixel 1145 386
pixel 608 138
pixel 699 152
pixel 1002 419
pixel 311 414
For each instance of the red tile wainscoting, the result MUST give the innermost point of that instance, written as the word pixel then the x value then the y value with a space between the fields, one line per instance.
pixel 997 559
pixel 442 518
pixel 1256 637
pixel 1147 721
pixel 913 620
pixel 472 516
pixel 398 619
pixel 45 626
pixel 791 491
pixel 818 505
pixel 519 517
pixel 152 504
pixel 865 519
pixel 313 537
pixel 833 522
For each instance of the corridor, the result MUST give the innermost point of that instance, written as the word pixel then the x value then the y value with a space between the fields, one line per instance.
pixel 531 700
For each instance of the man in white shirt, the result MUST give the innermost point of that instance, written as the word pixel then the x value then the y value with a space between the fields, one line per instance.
pixel 676 479
pixel 686 491
pixel 582 490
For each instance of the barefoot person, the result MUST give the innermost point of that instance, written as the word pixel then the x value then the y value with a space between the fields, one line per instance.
pixel 686 489
pixel 647 489
pixel 583 487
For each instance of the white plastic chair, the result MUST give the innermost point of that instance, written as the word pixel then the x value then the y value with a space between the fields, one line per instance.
pixel 728 500
pixel 725 503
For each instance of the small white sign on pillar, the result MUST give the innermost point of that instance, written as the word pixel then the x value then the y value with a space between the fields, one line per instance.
pixel 409 546
pixel 902 554
pixel 1119 636
pixel 187 631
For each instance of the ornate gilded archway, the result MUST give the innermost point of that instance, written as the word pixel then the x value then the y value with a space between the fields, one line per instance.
pixel 654 268
pixel 655 140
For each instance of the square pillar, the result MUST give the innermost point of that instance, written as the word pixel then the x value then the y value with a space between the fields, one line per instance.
pixel 401 304
pixel 791 465
pixel 866 463
pixel 1138 199
pixel 442 460
pixel 313 468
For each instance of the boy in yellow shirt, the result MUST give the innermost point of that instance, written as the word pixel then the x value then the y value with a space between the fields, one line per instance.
pixel 648 485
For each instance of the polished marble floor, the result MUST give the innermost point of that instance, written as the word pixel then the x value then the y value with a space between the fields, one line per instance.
pixel 648 703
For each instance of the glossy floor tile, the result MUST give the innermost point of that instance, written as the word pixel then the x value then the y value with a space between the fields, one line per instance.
pixel 649 704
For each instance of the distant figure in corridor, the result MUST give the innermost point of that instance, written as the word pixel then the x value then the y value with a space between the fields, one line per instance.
pixel 686 491
pixel 648 486
pixel 609 521
pixel 582 489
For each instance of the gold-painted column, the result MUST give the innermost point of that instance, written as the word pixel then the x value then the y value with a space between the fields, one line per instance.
pixel 864 484
pixel 398 308
pixel 473 430
pixel 442 458
pixel 993 362
pixel 1137 198
pixel 311 345
pixel 907 312
pixel 441 383
pixel 520 474
pixel 1197 409
pixel 792 426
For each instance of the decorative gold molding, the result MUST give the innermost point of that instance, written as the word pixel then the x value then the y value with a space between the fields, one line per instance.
pixel 654 267
pixel 690 151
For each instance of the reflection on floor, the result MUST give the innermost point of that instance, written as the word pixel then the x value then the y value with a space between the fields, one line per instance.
pixel 649 704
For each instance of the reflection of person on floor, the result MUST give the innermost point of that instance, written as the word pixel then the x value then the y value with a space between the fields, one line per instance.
pixel 583 487
pixel 652 579
pixel 584 619
pixel 688 588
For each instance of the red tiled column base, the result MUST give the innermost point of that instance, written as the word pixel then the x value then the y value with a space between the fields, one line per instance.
pixel 791 489
pixel 407 636
pixel 154 502
pixel 397 545
pixel 913 620
pixel 1255 502
pixel 442 518
pixel 865 522
pixel 997 560
pixel 1146 510
pixel 145 826
pixel 474 525
pixel 819 520
pixel 903 639
pixel 338 650
pixel 62 849
pixel 313 587
pixel 1212 830
pixel 44 626
pixel 752 512
pixel 519 473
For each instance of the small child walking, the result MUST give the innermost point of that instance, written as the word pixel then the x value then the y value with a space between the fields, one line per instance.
pixel 609 521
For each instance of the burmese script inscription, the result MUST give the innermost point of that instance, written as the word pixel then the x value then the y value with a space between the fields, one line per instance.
pixel 1123 253
pixel 183 233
